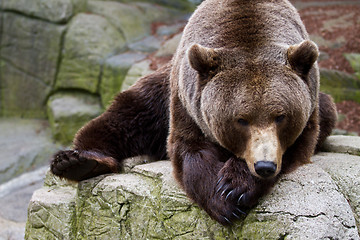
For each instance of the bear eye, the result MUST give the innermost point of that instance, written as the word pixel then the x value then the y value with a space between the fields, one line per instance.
pixel 243 122
pixel 280 118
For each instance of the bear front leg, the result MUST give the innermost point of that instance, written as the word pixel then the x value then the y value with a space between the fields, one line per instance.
pixel 220 184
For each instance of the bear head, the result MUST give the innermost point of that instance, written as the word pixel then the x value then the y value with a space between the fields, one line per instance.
pixel 254 105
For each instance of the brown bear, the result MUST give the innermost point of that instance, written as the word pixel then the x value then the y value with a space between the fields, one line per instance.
pixel 238 104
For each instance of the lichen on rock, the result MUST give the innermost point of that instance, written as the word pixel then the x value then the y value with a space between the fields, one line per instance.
pixel 317 201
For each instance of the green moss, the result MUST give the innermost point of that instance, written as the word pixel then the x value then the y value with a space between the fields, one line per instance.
pixel 89 40
pixel 114 72
pixel 354 60
pixel 69 111
pixel 341 86
pixel 341 94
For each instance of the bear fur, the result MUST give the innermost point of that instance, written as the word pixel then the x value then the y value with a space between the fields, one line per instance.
pixel 238 105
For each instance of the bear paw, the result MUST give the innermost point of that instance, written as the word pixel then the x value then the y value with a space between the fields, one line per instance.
pixel 236 191
pixel 79 165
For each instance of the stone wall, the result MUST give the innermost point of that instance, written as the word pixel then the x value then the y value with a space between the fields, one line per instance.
pixel 57 54
pixel 317 201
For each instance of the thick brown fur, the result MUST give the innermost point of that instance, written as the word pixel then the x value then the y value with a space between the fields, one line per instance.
pixel 135 124
pixel 242 68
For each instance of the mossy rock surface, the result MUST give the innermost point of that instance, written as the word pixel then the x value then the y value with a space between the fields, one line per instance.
pixel 341 86
pixel 184 5
pixel 317 201
pixel 69 111
pixel 29 56
pixel 58 11
pixel 114 72
pixel 89 40
pixel 128 19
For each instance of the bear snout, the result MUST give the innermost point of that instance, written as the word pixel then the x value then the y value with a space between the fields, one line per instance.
pixel 263 153
pixel 265 169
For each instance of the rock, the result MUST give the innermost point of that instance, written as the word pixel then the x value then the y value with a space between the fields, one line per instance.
pixel 354 60
pixel 342 144
pixel 11 230
pixel 187 5
pixel 24 144
pixel 14 199
pixel 21 94
pixel 345 170
pixel 305 204
pixel 156 13
pixel 169 47
pixel 337 131
pixel 59 221
pixel 184 5
pixel 90 39
pixel 317 201
pixel 148 44
pixel 114 72
pixel 137 71
pixel 341 86
pixel 128 19
pixel 68 112
pixel 58 11
pixel 29 56
pixel 170 29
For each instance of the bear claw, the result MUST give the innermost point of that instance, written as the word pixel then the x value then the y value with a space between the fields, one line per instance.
pixel 240 199
pixel 228 195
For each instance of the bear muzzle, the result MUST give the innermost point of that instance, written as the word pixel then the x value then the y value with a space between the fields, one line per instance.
pixel 263 153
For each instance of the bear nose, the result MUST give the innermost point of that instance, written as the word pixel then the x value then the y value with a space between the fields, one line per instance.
pixel 265 168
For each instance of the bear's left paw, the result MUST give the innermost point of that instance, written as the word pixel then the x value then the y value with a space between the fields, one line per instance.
pixel 236 186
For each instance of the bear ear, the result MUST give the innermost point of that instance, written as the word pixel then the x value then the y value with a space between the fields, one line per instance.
pixel 302 57
pixel 204 60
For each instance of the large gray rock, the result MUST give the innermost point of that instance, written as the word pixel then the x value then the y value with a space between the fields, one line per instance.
pixel 90 39
pixel 317 201
pixel 128 19
pixel 11 230
pixel 60 221
pixel 148 44
pixel 24 144
pixel 136 71
pixel 68 112
pixel 184 5
pixel 50 10
pixel 14 200
pixel 29 56
pixel 344 169
pixel 306 204
pixel 114 72
pixel 169 47
pixel 342 144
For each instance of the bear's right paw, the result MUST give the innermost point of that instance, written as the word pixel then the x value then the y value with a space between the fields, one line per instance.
pixel 79 165
pixel 236 191
pixel 225 212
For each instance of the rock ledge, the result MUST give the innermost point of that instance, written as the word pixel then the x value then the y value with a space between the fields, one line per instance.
pixel 317 201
